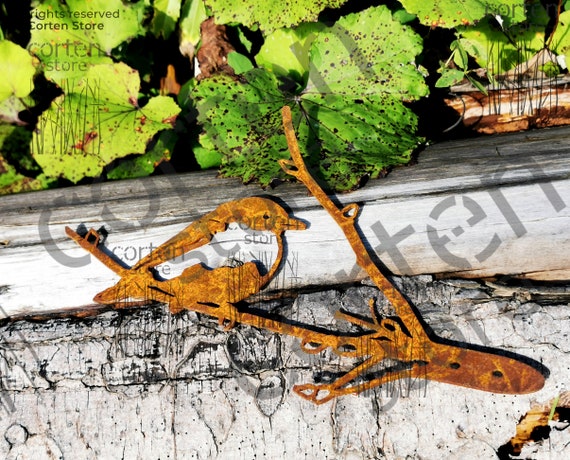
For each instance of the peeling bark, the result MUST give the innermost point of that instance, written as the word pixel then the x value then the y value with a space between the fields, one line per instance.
pixel 153 385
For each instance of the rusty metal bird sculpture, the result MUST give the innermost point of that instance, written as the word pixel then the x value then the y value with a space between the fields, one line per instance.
pixel 221 287
pixel 402 339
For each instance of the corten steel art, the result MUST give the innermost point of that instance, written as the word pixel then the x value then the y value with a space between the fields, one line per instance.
pixel 404 338
pixel 215 292
pixel 198 288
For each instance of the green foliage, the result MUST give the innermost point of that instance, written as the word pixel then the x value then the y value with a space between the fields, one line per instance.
pixel 12 179
pixel 67 41
pixel 451 13
pixel 17 80
pixel 500 43
pixel 17 71
pixel 350 85
pixel 239 62
pixel 166 14
pixel 367 53
pixel 145 164
pixel 98 121
pixel 11 139
pixel 561 37
pixel 241 121
pixel 350 116
pixel 494 49
pixel 207 158
pixel 286 51
pixel 459 56
pixel 268 15
pixel 10 109
pixel 192 15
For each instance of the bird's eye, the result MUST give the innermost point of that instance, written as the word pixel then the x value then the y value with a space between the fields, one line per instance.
pixel 266 216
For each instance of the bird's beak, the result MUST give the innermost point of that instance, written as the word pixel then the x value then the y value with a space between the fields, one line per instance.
pixel 294 224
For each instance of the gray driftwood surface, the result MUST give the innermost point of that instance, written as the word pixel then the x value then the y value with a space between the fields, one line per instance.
pixel 479 208
pixel 143 384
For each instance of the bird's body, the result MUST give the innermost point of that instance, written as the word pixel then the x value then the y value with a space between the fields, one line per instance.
pixel 199 288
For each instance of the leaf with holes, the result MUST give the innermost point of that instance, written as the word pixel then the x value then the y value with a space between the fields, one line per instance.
pixel 262 13
pixel 364 54
pixel 241 120
pixel 453 13
pixel 98 121
pixel 350 118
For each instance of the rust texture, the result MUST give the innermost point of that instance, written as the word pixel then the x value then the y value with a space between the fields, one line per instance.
pixel 405 339
pixel 402 339
pixel 198 288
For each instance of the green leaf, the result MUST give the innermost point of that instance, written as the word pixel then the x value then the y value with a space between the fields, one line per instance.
pixel 239 62
pixel 453 13
pixel 553 407
pixel 268 15
pixel 350 118
pixel 449 77
pixel 477 84
pixel 15 147
pixel 13 182
pixel 286 51
pixel 245 42
pixel 69 39
pixel 145 164
pixel 10 109
pixel 207 158
pixel 500 51
pixel 360 136
pixel 401 15
pixel 550 69
pixel 17 71
pixel 459 55
pixel 14 150
pixel 193 14
pixel 364 54
pixel 561 37
pixel 166 14
pixel 241 120
pixel 98 121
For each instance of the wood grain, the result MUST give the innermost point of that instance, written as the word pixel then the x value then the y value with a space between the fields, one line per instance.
pixel 480 207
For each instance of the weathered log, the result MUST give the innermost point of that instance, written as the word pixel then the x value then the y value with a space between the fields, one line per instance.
pixel 510 106
pixel 145 384
pixel 479 208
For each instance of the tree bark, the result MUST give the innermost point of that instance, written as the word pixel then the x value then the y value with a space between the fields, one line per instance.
pixel 143 384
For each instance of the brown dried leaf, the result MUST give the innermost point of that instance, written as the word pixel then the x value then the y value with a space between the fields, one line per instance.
pixel 214 50
pixel 533 426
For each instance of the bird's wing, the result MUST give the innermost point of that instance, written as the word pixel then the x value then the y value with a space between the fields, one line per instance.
pixel 192 237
